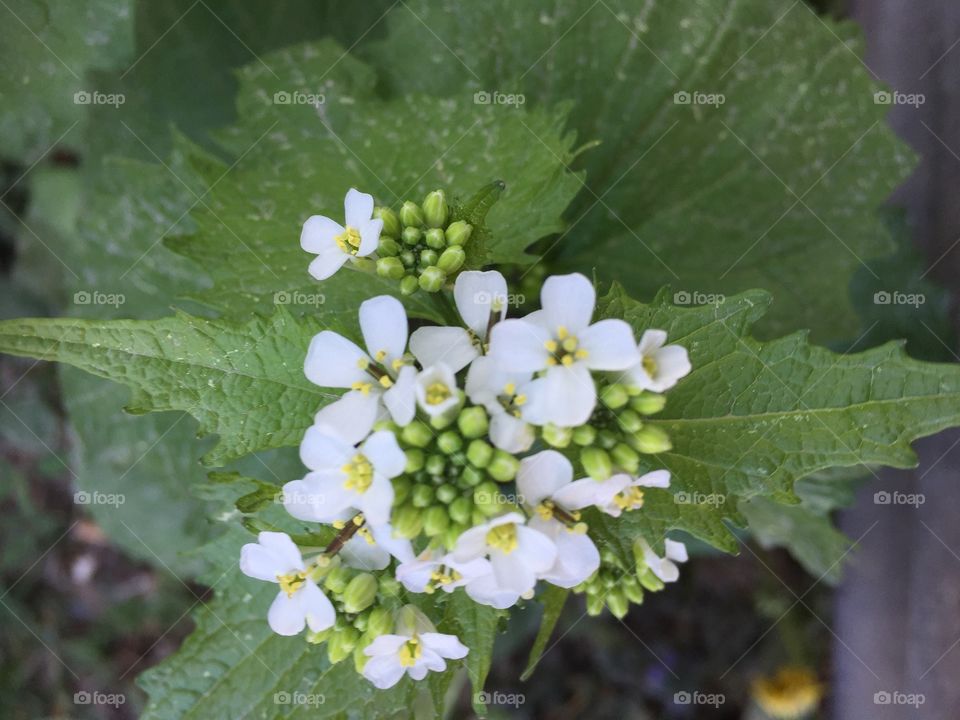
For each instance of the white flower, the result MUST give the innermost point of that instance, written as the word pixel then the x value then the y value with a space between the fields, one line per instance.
pixel 660 366
pixel 373 546
pixel 275 558
pixel 664 567
pixel 436 390
pixel 544 483
pixel 480 297
pixel 503 394
pixel 334 244
pixel 345 479
pixel 434 569
pixel 560 342
pixel 414 654
pixel 379 377
pixel 517 554
pixel 623 492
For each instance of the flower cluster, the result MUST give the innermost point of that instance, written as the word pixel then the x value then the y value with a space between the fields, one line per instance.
pixel 464 458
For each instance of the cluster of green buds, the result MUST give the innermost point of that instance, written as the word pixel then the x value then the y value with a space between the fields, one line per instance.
pixel 419 246
pixel 454 478
pixel 615 585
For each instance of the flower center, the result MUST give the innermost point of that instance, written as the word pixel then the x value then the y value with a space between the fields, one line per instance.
pixel 503 537
pixel 444 576
pixel 629 499
pixel 349 240
pixel 649 365
pixel 437 393
pixel 359 474
pixel 291 582
pixel 565 348
pixel 410 652
pixel 510 400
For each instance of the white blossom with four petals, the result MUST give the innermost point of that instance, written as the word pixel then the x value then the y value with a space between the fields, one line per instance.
pixel 664 567
pixel 503 394
pixel 415 654
pixel 661 365
pixel 335 244
pixel 434 569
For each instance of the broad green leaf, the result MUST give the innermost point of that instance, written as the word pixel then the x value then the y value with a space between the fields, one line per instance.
pixel 476 626
pixel 754 192
pixel 243 382
pixel 297 159
pixel 554 599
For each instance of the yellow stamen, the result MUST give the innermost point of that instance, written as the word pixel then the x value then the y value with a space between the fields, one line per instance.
pixel 630 498
pixel 503 537
pixel 385 381
pixel 567 360
pixel 545 509
pixel 520 400
pixel 397 364
pixel 581 354
pixel 649 365
pixel 551 346
pixel 363 363
pixel 363 387
pixel 410 652
pixel 562 332
pixel 359 474
pixel 380 356
pixel 570 344
pixel 551 360
pixel 509 388
pixel 291 582
pixel 437 393
pixel 349 240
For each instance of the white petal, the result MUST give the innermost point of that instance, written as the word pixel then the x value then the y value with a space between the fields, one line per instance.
pixel 351 417
pixel 536 549
pixel 478 294
pixel 485 380
pixel 283 546
pixel 383 671
pixel 270 557
pixel 385 645
pixel 577 556
pixel 429 660
pixel 317 607
pixel 334 361
pixel 318 234
pixel 586 492
pixel 452 346
pixel 327 262
pixel 486 591
pixel 438 374
pixel 448 646
pixel 673 363
pixel 541 475
pixel 383 452
pixel 319 497
pixel 398 547
pixel 510 434
pixel 383 322
pixel 518 345
pixel 656 479
pixel 565 396
pixel 609 345
pixel 321 450
pixel 286 616
pixel 401 400
pixel 471 544
pixel 376 502
pixel 676 550
pixel 369 236
pixel 513 573
pixel 652 340
pixel 360 553
pixel 416 574
pixel 568 301
pixel 357 207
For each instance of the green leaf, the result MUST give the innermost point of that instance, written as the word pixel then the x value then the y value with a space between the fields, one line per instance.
pixel 553 598
pixel 753 193
pixel 243 382
pixel 476 626
pixel 752 418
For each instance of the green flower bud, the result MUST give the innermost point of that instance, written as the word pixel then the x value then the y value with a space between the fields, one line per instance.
pixel 411 235
pixel 341 644
pixel 391 223
pixel 388 247
pixel 503 467
pixel 428 258
pixel 435 521
pixel 449 442
pixel 432 278
pixel 416 434
pixel 486 497
pixel 614 396
pixel 650 581
pixel 607 439
pixel 360 658
pixel 390 267
pixel 408 258
pixel 440 422
pixel 379 622
pixel 390 586
pixel 436 465
pixel 452 534
pixel 651 440
pixel 594 604
pixel 407 521
pixel 415 460
pixel 401 489
pixel 409 285
pixel 315 638
pixel 447 493
pixel 617 603
pixel 471 477
pixel 629 420
pixel 633 591
pixel 479 453
pixel 360 621
pixel 648 403
pixel 410 620
pixel 337 579
pixel 360 593
pixel 596 462
pixel 435 238
pixel 557 437
pixel 452 259
pixel 473 422
pixel 458 233
pixel 460 510
pixel 584 435
pixel 422 496
pixel 435 210
pixel 625 457
pixel 411 214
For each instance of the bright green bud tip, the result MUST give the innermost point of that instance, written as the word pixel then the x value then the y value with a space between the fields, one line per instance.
pixel 428 257
pixel 617 603
pixel 485 497
pixel 479 453
pixel 416 434
pixel 629 420
pixel 557 437
pixel 447 494
pixel 408 258
pixel 380 622
pixel 436 239
pixel 458 233
pixel 422 496
pixel 436 464
pixel 626 457
pixel 412 235
pixel 388 247
pixel 594 605
pixel 415 460
pixel 401 489
pixel 449 442
pixel 452 259
pixel 435 521
pixel 435 210
pixel 360 593
pixel 432 278
pixel 391 223
pixel 473 422
pixel 315 638
pixel 407 521
pixel 614 396
pixel 453 532
pixel 650 581
pixel 471 477
pixel 341 644
pixel 337 579
pixel 390 267
pixel 460 510
pixel 651 440
pixel 409 285
pixel 596 462
pixel 584 435
pixel 503 467
pixel 648 403
pixel 411 214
